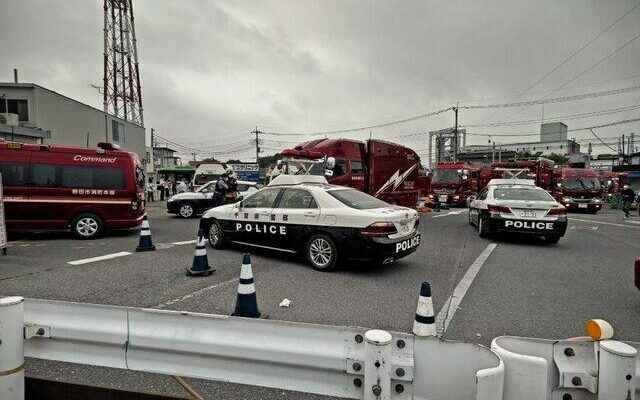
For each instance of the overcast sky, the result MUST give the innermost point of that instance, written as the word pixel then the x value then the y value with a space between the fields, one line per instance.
pixel 213 70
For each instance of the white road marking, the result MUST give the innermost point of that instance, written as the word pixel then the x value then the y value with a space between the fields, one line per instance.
pixel 603 223
pixel 451 213
pixel 99 258
pixel 450 307
pixel 184 242
pixel 196 293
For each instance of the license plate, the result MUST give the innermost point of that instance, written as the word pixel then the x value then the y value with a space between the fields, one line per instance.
pixel 583 205
pixel 442 199
pixel 408 244
pixel 528 213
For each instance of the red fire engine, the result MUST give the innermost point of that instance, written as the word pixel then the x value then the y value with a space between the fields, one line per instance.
pixel 383 169
pixel 453 182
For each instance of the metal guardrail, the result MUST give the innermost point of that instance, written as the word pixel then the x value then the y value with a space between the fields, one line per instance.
pixel 347 362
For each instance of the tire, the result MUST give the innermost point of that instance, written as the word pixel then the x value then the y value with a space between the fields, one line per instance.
pixel 322 253
pixel 216 235
pixel 186 210
pixel 551 239
pixel 87 226
pixel 483 227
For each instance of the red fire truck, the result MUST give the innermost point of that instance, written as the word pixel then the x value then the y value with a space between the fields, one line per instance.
pixel 56 188
pixel 578 189
pixel 453 182
pixel 386 170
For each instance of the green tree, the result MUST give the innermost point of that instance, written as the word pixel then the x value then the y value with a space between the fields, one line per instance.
pixel 558 158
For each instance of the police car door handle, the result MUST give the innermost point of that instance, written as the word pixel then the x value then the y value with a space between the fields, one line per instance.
pixel 309 214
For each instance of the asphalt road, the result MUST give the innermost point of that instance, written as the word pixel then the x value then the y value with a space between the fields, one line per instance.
pixel 524 287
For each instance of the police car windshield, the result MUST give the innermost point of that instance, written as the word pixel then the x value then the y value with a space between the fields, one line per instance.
pixel 520 193
pixel 356 199
pixel 445 175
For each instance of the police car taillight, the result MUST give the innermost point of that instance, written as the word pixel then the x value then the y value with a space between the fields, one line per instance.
pixel 379 229
pixel 557 211
pixel 499 210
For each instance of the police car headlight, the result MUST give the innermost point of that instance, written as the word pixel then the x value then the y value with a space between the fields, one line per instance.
pixel 566 199
pixel 456 197
pixel 596 200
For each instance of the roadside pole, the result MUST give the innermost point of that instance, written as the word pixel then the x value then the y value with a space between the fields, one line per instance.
pixel 11 348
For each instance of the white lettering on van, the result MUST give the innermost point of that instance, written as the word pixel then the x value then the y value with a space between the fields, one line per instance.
pixel 105 160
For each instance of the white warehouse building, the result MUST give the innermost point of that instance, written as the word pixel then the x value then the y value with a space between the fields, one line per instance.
pixel 48 117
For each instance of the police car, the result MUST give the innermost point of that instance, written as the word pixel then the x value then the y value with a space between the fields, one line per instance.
pixel 517 205
pixel 190 204
pixel 326 223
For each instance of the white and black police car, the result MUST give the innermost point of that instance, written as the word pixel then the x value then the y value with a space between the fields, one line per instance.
pixel 517 205
pixel 190 204
pixel 326 223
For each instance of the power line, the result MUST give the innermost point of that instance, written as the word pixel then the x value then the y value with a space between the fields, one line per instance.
pixel 362 128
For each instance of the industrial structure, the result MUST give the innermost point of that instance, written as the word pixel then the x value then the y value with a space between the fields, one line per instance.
pixel 122 92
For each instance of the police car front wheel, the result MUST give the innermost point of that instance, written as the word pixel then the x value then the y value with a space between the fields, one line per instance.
pixel 322 253
pixel 186 210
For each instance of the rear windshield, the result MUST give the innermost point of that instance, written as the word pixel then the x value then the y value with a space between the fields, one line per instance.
pixel 445 175
pixel 525 194
pixel 356 199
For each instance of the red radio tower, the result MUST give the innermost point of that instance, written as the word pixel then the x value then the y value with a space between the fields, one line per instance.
pixel 122 91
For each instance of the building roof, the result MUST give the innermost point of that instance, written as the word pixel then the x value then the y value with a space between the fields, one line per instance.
pixel 169 149
pixel 28 85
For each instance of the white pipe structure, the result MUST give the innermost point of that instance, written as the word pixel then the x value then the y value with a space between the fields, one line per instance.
pixel 11 348
pixel 328 360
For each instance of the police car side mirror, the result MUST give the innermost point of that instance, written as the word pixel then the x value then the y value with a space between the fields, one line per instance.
pixel 328 172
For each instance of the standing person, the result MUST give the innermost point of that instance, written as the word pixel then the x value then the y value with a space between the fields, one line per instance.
pixel 150 190
pixel 222 185
pixel 628 196
pixel 167 188
pixel 161 186
pixel 174 187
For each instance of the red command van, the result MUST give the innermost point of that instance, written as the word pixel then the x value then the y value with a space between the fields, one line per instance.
pixel 58 188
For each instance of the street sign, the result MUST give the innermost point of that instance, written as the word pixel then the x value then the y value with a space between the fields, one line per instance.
pixel 3 228
pixel 247 171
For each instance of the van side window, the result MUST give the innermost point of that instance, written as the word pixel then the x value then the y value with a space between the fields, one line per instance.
pixel 356 167
pixel 44 175
pixel 13 174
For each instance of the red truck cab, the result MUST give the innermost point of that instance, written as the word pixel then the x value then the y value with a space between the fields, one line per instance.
pixel 578 189
pixel 383 169
pixel 452 183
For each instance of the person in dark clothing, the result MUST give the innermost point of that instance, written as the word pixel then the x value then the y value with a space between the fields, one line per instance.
pixel 222 185
pixel 628 196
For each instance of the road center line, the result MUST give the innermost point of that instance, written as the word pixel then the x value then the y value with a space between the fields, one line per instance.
pixel 603 223
pixel 196 293
pixel 99 258
pixel 453 302
pixel 183 242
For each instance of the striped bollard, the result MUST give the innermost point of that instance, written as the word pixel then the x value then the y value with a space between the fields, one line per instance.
pixel 246 302
pixel 200 265
pixel 145 243
pixel 424 323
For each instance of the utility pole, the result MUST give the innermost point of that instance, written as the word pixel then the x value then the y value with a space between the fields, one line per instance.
pixel 257 132
pixel 455 134
pixel 194 156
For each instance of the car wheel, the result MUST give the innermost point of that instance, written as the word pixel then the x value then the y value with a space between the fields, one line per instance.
pixel 87 226
pixel 216 239
pixel 185 210
pixel 552 239
pixel 322 253
pixel 483 227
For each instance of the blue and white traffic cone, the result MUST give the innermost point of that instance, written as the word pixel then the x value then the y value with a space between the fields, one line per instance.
pixel 424 323
pixel 246 302
pixel 145 243
pixel 200 266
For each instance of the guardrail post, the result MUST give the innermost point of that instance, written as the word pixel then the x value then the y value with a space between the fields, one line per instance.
pixel 617 369
pixel 12 348
pixel 377 365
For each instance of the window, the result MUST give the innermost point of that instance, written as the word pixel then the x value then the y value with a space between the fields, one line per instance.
pixel 20 107
pixel 44 175
pixel 297 198
pixel 262 199
pixel 356 167
pixel 117 131
pixel 356 199
pixel 13 174
pixel 523 194
pixel 70 176
pixel 338 170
